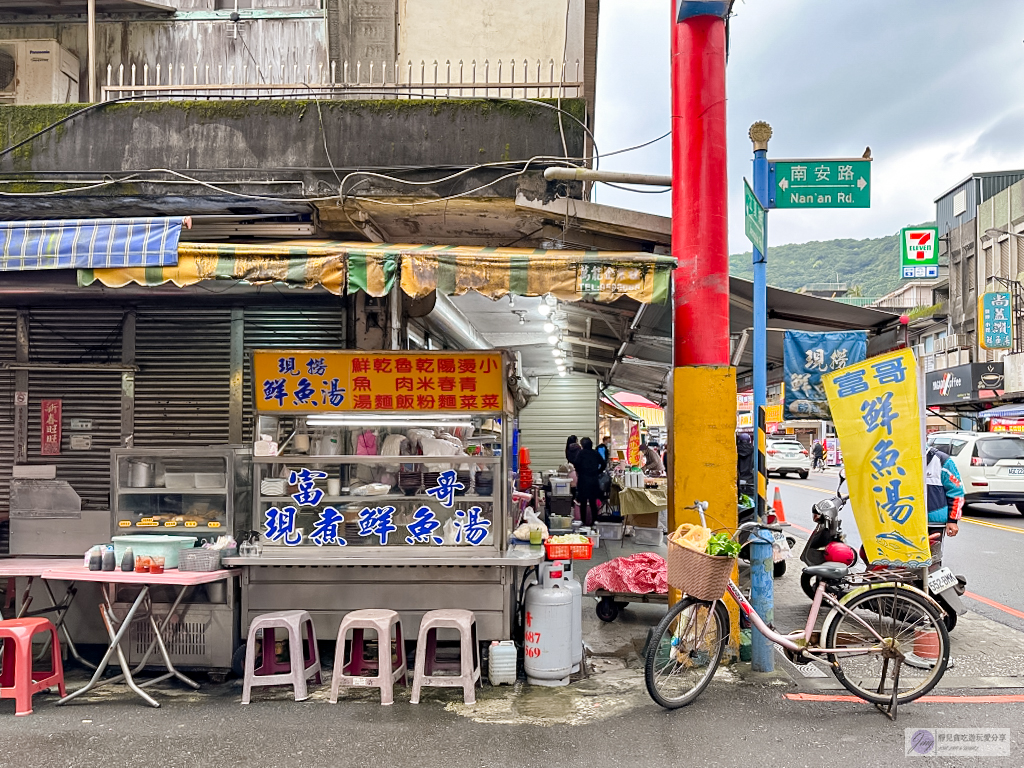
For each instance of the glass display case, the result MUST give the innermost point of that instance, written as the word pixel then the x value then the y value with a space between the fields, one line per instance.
pixel 173 490
pixel 414 481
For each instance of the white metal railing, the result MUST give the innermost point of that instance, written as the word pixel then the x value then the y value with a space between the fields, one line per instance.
pixel 512 79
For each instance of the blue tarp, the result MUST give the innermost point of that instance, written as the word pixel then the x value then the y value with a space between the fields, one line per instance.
pixel 89 243
pixel 1011 411
pixel 808 356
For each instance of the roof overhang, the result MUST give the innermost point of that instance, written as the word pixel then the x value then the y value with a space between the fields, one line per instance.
pixel 72 7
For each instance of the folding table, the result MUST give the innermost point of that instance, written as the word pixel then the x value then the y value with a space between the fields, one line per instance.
pixel 174 577
pixel 30 568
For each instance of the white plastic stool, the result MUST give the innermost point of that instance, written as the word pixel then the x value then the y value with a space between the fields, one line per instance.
pixel 299 669
pixel 353 674
pixel 426 650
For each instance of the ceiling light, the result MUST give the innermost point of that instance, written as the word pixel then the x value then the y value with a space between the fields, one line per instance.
pixel 556 352
pixel 511 300
pixel 551 301
pixel 522 319
pixel 562 373
pixel 544 310
pixel 549 327
pixel 553 339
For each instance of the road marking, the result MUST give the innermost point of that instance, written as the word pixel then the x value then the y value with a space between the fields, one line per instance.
pixel 801 528
pixel 992 525
pixel 1010 698
pixel 801 485
pixel 994 604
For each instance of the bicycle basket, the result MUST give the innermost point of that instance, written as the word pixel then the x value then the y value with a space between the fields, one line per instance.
pixel 696 574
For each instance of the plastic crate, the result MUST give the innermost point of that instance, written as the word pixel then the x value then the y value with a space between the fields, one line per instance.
pixel 610 531
pixel 569 551
pixel 199 559
pixel 647 537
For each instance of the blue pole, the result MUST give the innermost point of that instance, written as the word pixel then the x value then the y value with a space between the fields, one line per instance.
pixel 762 596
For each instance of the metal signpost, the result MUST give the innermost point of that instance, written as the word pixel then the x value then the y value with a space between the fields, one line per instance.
pixel 828 183
pixel 919 253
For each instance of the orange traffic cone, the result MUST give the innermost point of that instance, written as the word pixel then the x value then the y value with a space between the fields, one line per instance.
pixel 780 513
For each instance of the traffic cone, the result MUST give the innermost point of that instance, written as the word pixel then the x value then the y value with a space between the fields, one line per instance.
pixel 780 513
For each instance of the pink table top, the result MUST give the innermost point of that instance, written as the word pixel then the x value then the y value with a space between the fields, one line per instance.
pixel 34 566
pixel 172 577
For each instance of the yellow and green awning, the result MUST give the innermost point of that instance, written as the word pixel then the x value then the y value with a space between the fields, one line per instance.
pixel 345 267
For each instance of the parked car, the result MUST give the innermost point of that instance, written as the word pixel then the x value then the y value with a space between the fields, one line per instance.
pixel 787 455
pixel 991 465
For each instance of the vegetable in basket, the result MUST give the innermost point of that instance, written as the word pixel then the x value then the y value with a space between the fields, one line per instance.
pixel 722 545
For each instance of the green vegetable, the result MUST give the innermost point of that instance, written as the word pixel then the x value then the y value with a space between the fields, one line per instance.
pixel 722 544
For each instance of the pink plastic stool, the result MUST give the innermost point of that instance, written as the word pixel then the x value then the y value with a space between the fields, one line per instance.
pixel 271 671
pixel 18 681
pixel 390 665
pixel 466 669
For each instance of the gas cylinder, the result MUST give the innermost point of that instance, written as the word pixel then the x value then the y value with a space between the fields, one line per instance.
pixel 577 614
pixel 548 630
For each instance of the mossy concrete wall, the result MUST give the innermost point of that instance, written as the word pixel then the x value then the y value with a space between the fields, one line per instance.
pixel 257 139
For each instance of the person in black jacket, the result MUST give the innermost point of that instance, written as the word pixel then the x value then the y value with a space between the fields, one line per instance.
pixel 745 464
pixel 589 466
pixel 571 449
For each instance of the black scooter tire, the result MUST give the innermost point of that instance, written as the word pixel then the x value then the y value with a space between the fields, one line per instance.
pixel 808 585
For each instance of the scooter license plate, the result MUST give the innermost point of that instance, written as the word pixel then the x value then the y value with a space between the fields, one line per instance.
pixel 941 580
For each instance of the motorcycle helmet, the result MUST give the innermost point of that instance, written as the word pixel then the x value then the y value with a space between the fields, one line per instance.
pixel 838 552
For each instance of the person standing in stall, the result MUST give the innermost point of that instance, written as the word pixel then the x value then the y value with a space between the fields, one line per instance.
pixel 589 467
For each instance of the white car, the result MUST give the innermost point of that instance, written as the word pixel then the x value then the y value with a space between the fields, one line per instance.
pixel 991 465
pixel 787 455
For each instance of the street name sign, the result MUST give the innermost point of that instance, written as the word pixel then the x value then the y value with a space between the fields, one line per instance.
pixel 820 183
pixel 755 219
pixel 919 248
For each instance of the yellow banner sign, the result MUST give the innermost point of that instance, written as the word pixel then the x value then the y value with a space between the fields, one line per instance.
pixel 877 414
pixel 773 414
pixel 315 381
pixel 633 446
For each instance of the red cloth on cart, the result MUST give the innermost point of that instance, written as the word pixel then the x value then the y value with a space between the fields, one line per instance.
pixel 637 574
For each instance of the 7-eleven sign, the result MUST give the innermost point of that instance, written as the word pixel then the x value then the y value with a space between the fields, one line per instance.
pixel 920 252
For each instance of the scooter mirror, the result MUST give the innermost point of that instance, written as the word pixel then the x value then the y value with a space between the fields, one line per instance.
pixel 842 479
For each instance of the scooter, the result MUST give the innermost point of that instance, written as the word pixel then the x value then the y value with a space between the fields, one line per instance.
pixel 827 544
pixel 745 514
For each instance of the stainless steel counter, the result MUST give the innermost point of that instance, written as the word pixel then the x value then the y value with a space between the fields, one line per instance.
pixel 515 556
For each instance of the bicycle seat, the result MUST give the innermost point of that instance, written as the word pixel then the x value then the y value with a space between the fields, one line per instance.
pixel 830 572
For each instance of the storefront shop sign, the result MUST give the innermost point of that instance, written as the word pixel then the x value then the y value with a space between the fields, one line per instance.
pixel 808 357
pixel 468 526
pixel 877 416
pixel 49 427
pixel 964 384
pixel 994 319
pixel 307 381
pixel 1007 425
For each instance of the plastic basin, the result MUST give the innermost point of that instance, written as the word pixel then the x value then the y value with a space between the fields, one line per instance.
pixel 153 545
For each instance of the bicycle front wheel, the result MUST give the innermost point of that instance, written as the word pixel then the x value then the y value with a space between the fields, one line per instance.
pixel 910 628
pixel 685 650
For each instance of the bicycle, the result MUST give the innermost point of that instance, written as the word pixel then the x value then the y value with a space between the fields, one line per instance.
pixel 881 634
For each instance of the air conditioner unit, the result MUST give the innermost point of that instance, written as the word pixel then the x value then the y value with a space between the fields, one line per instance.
pixel 37 72
pixel 919 351
pixel 940 345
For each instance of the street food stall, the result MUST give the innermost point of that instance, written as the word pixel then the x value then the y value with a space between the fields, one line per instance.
pixel 381 480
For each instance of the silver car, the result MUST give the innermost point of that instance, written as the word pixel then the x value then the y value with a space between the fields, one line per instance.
pixel 787 455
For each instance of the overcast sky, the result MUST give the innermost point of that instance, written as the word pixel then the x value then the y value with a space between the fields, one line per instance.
pixel 934 87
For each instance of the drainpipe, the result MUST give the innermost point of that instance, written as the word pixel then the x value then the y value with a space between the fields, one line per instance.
pixel 91 66
pixel 448 319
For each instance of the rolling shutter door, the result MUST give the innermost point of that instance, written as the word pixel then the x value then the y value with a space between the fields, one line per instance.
pixel 82 335
pixel 309 327
pixel 182 389
pixel 565 406
pixel 8 336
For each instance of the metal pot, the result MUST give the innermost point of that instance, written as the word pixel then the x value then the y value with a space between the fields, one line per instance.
pixel 140 474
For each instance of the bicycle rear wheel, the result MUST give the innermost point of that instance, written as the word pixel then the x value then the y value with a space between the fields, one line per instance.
pixel 685 650
pixel 909 626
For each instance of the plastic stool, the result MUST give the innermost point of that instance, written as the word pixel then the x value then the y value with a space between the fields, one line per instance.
pixel 353 674
pixel 272 672
pixel 18 681
pixel 468 666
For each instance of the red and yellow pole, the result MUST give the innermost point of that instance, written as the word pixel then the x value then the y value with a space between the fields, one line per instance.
pixel 703 392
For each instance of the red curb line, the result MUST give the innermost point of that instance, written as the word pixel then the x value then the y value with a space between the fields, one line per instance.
pixel 1010 698
pixel 994 604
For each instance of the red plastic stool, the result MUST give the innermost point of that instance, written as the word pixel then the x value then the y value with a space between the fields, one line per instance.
pixel 18 681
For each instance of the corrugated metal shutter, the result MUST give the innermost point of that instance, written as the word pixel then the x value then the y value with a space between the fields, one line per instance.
pixel 565 406
pixel 291 325
pixel 182 389
pixel 78 335
pixel 8 337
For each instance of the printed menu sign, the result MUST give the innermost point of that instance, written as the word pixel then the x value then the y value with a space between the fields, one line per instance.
pixel 312 381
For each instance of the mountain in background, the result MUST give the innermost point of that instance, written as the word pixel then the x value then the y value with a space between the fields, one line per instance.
pixel 870 267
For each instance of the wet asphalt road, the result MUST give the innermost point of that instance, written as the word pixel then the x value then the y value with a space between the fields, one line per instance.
pixel 989 549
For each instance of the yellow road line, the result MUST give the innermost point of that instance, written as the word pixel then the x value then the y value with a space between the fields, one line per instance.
pixel 822 491
pixel 992 525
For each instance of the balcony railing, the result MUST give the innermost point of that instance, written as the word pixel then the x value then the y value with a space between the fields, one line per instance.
pixel 509 78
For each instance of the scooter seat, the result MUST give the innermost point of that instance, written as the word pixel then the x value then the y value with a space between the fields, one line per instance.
pixel 830 572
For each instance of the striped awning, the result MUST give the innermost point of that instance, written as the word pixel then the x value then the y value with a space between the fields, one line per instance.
pixel 373 268
pixel 89 243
